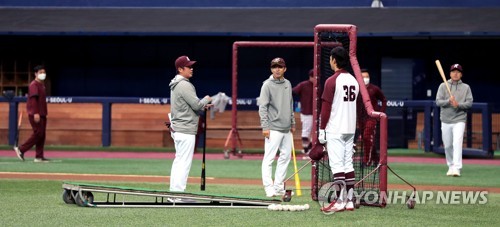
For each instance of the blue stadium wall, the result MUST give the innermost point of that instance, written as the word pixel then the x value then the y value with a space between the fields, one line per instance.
pixel 142 65
pixel 125 66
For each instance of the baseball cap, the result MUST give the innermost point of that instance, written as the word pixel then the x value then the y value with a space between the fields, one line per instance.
pixel 317 152
pixel 456 67
pixel 183 61
pixel 278 61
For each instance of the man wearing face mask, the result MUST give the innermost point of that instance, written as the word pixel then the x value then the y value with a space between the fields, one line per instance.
pixel 36 106
pixel 368 125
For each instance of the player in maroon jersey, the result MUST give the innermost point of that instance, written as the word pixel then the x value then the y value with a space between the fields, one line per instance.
pixel 367 124
pixel 305 91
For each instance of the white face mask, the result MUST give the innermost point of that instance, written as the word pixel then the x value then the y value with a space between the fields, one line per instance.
pixel 42 76
pixel 367 80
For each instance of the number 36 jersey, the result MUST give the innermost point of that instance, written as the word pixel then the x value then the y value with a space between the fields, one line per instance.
pixel 341 90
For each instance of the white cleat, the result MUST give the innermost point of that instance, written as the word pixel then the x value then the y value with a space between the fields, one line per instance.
pixel 338 206
pixel 349 206
pixel 450 172
pixel 19 154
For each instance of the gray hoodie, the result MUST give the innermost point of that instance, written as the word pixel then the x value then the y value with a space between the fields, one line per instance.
pixel 462 94
pixel 276 105
pixel 185 106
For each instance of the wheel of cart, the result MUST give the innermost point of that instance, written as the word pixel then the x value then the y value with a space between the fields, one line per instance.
pixel 68 196
pixel 84 198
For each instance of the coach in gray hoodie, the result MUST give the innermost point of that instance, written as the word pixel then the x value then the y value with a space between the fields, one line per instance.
pixel 453 117
pixel 278 123
pixel 184 114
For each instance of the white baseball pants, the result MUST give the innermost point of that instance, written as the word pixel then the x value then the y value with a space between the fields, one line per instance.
pixel 283 142
pixel 184 149
pixel 340 151
pixel 453 138
pixel 307 124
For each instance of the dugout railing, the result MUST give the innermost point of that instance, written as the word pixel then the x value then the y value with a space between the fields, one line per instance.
pixel 480 136
pixel 12 109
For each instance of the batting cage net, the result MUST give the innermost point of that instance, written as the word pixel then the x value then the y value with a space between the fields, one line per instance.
pixel 370 157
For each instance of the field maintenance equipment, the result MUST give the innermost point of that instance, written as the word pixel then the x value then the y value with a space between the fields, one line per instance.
pixel 84 195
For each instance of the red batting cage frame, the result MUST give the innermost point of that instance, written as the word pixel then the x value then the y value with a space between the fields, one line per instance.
pixel 371 178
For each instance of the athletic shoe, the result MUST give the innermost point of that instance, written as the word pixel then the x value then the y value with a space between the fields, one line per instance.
pixel 339 206
pixel 19 154
pixel 450 172
pixel 270 195
pixel 349 205
pixel 456 173
pixel 41 160
pixel 282 193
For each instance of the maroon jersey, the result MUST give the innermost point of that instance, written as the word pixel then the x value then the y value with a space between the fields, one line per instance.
pixel 376 95
pixel 37 103
pixel 305 90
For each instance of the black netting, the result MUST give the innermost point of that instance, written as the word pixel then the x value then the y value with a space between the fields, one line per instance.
pixel 366 158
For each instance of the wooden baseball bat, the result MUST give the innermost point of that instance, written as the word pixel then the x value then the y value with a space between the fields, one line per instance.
pixel 297 178
pixel 441 72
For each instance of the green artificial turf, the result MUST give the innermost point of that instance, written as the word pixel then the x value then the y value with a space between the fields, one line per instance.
pixel 39 203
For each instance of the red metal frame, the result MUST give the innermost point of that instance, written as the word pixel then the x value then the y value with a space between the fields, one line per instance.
pixel 351 30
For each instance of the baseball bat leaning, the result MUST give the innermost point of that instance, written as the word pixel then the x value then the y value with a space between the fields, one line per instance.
pixel 297 178
pixel 19 121
pixel 203 178
pixel 441 72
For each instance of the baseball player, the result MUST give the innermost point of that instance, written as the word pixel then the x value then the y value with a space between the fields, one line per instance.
pixel 453 116
pixel 368 125
pixel 36 106
pixel 184 114
pixel 338 125
pixel 278 124
pixel 305 91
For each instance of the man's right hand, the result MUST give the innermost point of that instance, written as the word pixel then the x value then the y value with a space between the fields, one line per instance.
pixel 266 133
pixel 322 136
pixel 453 101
